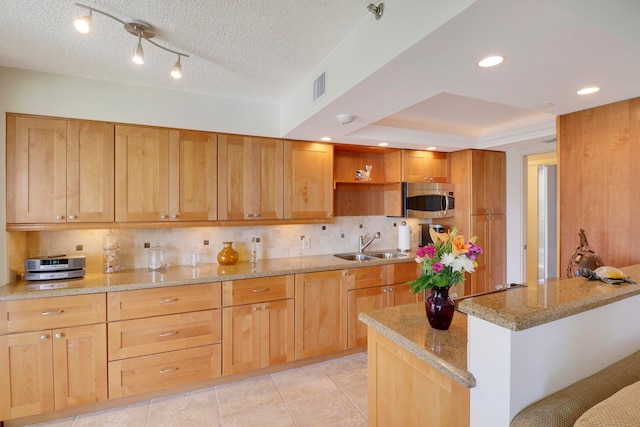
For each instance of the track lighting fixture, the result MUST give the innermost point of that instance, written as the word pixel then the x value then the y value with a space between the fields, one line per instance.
pixel 176 71
pixel 139 29
pixel 376 10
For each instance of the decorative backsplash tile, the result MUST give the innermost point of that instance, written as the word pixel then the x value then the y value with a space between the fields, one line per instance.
pixel 276 241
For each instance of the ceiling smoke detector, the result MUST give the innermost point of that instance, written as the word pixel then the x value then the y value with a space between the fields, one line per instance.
pixel 345 119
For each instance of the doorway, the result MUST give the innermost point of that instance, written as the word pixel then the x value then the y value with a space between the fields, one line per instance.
pixel 541 244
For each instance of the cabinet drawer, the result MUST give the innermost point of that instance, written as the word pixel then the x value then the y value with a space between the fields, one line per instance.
pixel 55 312
pixel 402 273
pixel 160 301
pixel 249 291
pixel 140 337
pixel 160 371
pixel 367 277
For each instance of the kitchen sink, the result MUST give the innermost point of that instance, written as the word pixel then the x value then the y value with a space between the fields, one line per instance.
pixel 388 255
pixel 356 256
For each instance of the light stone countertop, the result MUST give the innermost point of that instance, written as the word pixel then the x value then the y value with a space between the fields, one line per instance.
pixel 183 275
pixel 536 304
pixel 407 326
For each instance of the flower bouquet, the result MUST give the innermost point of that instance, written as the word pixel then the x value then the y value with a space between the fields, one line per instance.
pixel 444 263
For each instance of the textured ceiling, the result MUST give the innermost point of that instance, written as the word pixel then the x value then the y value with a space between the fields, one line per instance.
pixel 416 83
pixel 248 49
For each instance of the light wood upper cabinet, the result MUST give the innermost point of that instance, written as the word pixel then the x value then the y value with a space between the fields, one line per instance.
pixel 59 170
pixel 164 175
pixel 142 174
pixel 193 187
pixel 421 166
pixel 488 182
pixel 308 180
pixel 250 178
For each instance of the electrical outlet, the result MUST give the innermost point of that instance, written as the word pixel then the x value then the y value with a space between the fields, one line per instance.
pixel 306 242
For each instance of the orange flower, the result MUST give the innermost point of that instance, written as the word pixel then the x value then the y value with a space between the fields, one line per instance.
pixel 459 246
pixel 438 237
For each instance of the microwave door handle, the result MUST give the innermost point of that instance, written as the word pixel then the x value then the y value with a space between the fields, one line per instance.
pixel 446 203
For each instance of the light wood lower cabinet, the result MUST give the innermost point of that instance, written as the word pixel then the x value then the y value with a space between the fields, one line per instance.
pixel 143 374
pixel 258 320
pixel 52 369
pixel 321 313
pixel 164 337
pixel 257 335
pixel 369 290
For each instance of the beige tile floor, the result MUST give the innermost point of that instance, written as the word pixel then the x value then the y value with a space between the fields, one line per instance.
pixel 331 393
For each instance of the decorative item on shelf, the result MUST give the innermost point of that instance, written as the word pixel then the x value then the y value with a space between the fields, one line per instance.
pixel 583 257
pixel 156 258
pixel 443 263
pixel 607 274
pixel 364 175
pixel 111 248
pixel 228 255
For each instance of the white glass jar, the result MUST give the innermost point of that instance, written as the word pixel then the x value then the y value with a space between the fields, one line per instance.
pixel 157 258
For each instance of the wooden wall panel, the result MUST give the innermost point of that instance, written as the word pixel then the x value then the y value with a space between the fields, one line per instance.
pixel 599 181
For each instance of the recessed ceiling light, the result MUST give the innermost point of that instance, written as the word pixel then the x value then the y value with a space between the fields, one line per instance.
pixel 490 61
pixel 432 148
pixel 326 138
pixel 383 144
pixel 588 90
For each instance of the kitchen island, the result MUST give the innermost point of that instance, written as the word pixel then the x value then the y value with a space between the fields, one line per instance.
pixel 521 345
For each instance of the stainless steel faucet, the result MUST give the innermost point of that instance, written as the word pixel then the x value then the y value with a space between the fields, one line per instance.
pixel 366 240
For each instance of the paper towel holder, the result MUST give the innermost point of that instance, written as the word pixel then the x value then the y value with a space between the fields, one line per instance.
pixel 404 242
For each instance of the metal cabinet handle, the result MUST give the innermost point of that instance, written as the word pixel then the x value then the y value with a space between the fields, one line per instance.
pixel 384 291
pixel 164 216
pixel 166 371
pixel 59 217
pixel 51 313
pixel 58 335
pixel 255 308
pixel 174 216
pixel 43 337
pixel 257 291
pixel 249 215
pixel 265 307
pixel 72 217
pixel 169 334
pixel 390 289
pixel 163 301
pixel 256 215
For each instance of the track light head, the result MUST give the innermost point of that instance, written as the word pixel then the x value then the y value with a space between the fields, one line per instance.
pixel 138 53
pixel 83 24
pixel 376 10
pixel 176 71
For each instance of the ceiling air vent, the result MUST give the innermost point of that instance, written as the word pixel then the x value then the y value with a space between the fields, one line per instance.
pixel 319 86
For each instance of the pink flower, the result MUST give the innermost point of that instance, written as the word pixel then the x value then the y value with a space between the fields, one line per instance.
pixel 437 267
pixel 421 252
pixel 431 251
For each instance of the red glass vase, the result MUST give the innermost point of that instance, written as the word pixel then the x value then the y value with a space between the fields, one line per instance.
pixel 439 308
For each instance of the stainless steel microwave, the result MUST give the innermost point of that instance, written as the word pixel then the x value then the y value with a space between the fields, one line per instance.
pixel 428 200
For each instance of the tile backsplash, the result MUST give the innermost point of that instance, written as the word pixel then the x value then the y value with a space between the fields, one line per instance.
pixel 276 241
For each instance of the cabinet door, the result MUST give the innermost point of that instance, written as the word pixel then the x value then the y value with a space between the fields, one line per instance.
pixel 491 270
pixel 368 277
pixel 250 177
pixel 36 170
pixel 193 185
pixel 363 300
pixel 276 331
pixel 402 294
pixel 142 174
pixel 26 382
pixel 308 180
pixel 421 166
pixel 321 313
pixel 488 182
pixel 80 363
pixel 241 338
pixel 90 171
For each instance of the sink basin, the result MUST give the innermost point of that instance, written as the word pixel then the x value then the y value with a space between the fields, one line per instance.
pixel 388 255
pixel 355 257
